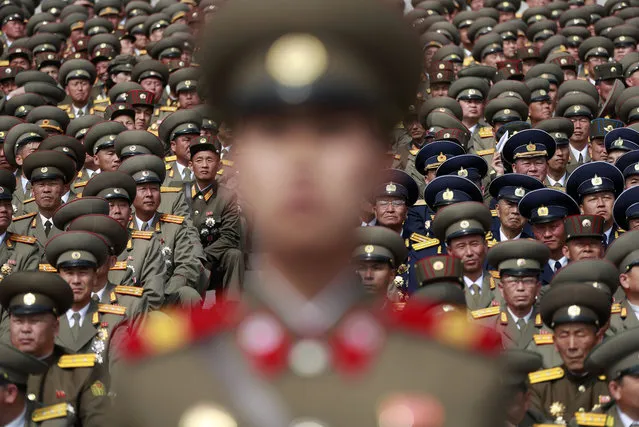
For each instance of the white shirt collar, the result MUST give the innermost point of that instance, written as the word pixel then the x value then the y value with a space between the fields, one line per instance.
pixel 472 128
pixel 180 168
pixel 478 282
pixel 563 260
pixel 139 223
pixel 85 110
pixel 626 421
pixel 369 224
pixel 576 152
pixel 608 232
pixel 561 181
pixel 503 238
pixel 24 181
pixel 90 173
pixel 515 318
pixel 634 308
pixel 83 313
pixel 2 237
pixel 65 196
pixel 44 219
pixel 21 421
pixel 99 293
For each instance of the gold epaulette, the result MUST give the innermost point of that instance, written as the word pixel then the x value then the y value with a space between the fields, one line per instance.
pixel 112 309
pixel 493 212
pixel 485 152
pixel 120 265
pixel 64 107
pixel 544 425
pixel 47 268
pixel 173 219
pixel 538 321
pixel 58 410
pixel 77 360
pixel 71 115
pixel 25 216
pixel 426 244
pixel 142 52
pixel 29 200
pixel 486 132
pixel 544 339
pixel 590 419
pixel 167 167
pixel 227 162
pixel 166 108
pixel 416 237
pixel 414 151
pixel 23 239
pixel 100 108
pixel 220 171
pixel 545 375
pixel 492 243
pixel 492 283
pixel 170 158
pixel 615 309
pixel 4 63
pixel 494 274
pixel 142 234
pixel 80 184
pixel 170 189
pixel 485 312
pixel 397 156
pixel 602 378
pixel 503 318
pixel 101 101
pixel 135 291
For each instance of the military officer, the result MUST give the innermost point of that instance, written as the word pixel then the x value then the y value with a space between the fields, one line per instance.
pixel 184 85
pixel 77 77
pixel 179 131
pixel 416 131
pixel 545 209
pixel 469 166
pixel 99 142
pixel 623 254
pixel 592 52
pixel 50 173
pixel 141 264
pixel 577 313
pixel 626 210
pixel 595 186
pixel 580 108
pixel 441 281
pixel 519 263
pixel 153 76
pixel 217 218
pixel 35 301
pixel 396 193
pixel 528 151
pixel 306 219
pixel 561 129
pixel 599 128
pixel 142 102
pixel 627 164
pixel 471 94
pixel 584 237
pixel 78 129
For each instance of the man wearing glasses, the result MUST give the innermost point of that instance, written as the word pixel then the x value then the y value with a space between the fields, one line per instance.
pixel 520 262
pixel 397 192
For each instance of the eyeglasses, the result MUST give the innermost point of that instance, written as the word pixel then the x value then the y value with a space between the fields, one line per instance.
pixel 526 281
pixel 386 203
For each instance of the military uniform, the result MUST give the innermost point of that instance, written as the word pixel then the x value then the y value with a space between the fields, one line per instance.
pixel 77 69
pixel 180 123
pixel 577 105
pixel 622 253
pixel 154 69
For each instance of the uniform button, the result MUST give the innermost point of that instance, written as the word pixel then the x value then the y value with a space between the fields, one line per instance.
pixel 582 388
pixel 200 197
pixel 197 212
pixel 308 358
pixel 31 396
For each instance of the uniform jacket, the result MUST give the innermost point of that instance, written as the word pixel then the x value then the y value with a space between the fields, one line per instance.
pixel 31 225
pixel 502 321
pixel 622 318
pixel 487 297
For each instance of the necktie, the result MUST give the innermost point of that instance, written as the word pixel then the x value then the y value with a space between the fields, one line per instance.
pixel 75 329
pixel 521 324
pixel 146 227
pixel 474 289
pixel 557 266
pixel 186 173
pixel 47 227
pixel 80 113
pixel 581 158
pixel 95 297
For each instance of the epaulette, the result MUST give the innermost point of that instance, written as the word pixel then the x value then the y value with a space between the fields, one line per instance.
pixel 624 313
pixel 491 243
pixel 120 265
pixel 168 167
pixel 135 291
pixel 29 200
pixel 486 132
pixel 23 239
pixel 101 101
pixel 166 108
pixel 142 234
pixel 170 189
pixel 397 156
pixel 420 202
pixel 47 268
pixel 112 309
pixel 173 219
pixel 494 274
pixel 414 151
pixel 492 283
pixel 4 63
pixel 416 237
pixel 77 360
pixel 58 410
pixel 142 52
pixel 590 419
pixel 170 158
pixel 602 378
pixel 485 152
pixel 544 339
pixel 25 216
pixel 493 212
pixel 64 107
pixel 227 162
pixel 100 108
pixel 71 115
pixel 80 184
pixel 615 309
pixel 544 425
pixel 546 375
pixel 485 312
pixel 538 321
pixel 426 244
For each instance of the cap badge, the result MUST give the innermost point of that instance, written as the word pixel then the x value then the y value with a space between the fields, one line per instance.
pixel 521 262
pixel 542 211
pixel 369 249
pixel 44 169
pixel 462 172
pixel 637 166
pixel 622 38
pixel 519 192
pixel 440 75
pixel 76 255
pixel 618 142
pixel 116 190
pixel 442 158
pixel 132 148
pixel 563 61
pixel 613 69
pixel 29 299
pixel 471 91
pixel 438 265
pixel 586 223
pixel 391 188
pixel 531 51
pixel 442 66
pixel 145 173
pixel 1 189
pixel 446 135
pixel 297 60
pixel 577 107
pixel 464 224
pixel 596 180
pixel 143 96
pixel 574 311
pixel 506 111
pixel 608 128
pixel 542 92
pixel 202 140
pixel 448 195
pixel 531 147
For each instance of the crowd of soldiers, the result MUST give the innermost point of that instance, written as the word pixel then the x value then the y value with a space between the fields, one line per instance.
pixel 319 213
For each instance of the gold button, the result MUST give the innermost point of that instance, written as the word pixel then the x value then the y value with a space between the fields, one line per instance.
pixel 582 388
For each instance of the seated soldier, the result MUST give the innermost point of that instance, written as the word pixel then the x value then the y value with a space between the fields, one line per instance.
pixel 624 255
pixel 584 237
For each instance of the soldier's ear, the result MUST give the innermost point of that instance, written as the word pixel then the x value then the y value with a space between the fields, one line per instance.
pixel 565 251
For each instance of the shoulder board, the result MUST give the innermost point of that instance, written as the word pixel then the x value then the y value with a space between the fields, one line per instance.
pixel 486 132
pixel 493 212
pixel 590 419
pixel 64 106
pixel 167 167
pixel 544 339
pixel 29 200
pixel 142 52
pixel 624 313
pixel 170 158
pixel 615 309
pixel 25 216
pixel 121 265
pixel 100 108
pixel 602 378
pixel 101 101
pixel 77 360
pixel 4 63
pixel 492 283
pixel 538 321
pixel 48 268
pixel 168 109
pixel 494 274
pixel 414 151
pixel 174 219
pixel 485 312
pixel 135 291
pixel 80 184
pixel 142 235
pixel 23 239
pixel 170 189
pixel 427 244
pixel 112 309
pixel 544 425
pixel 485 152
pixel 397 156
pixel 50 412
pixel 546 375
pixel 416 237
pixel 227 162
pixel 503 317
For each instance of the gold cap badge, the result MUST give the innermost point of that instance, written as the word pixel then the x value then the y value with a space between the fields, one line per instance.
pixel 369 249
pixel 29 299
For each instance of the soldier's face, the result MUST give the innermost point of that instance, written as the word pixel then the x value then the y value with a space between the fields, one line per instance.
pixel 120 210
pixel 597 150
pixel 559 160
pixel 51 70
pixel 492 59
pixel 376 276
pixel 552 234
pixel 472 108
pixel 625 392
pixel 519 292
pixel 472 251
pixel 614 155
pixel 142 117
pixel 20 62
pixel 81 280
pixel 390 212
pixel 147 199
pixel 154 85
pixel 126 120
pixel 573 342
pixel 598 204
pixel 509 216
pixel 632 181
pixel 188 99
pixel 8 85
pixel 604 87
pixel 306 172
pixel 539 111
pixel 6 211
pixel 536 167
pixel 205 165
pixel 569 74
pixel 34 333
pixel 633 79
pixel 416 130
pixel 79 91
pixel 583 248
pixel 630 280
pixel 47 193
pixel 181 145
pixel 439 89
pixel 25 151
pixel 510 48
pixel 107 160
pixel 622 51
pixel 14 29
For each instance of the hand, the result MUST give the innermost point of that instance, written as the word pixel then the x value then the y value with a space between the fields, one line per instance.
pixel 497 164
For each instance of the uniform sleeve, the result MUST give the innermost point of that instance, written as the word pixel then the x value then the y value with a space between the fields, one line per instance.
pixel 187 259
pixel 28 259
pixel 180 207
pixel 94 402
pixel 537 397
pixel 229 230
pixel 151 275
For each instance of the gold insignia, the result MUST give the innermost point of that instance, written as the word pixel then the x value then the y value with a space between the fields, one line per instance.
pixel 464 224
pixel 574 311
pixel 542 92
pixel 391 188
pixel 448 194
pixel 471 91
pixel 542 211
pixel 520 192
pixel 557 410
pixel 44 169
pixel 507 111
pixel 531 147
pixel 596 180
pixel 29 299
pixel 76 255
pixel 608 128
pixel 577 107
pixel 521 262
pixel 618 143
pixel 447 135
pixel 438 265
pixel 462 172
pixel 586 223
pixel 442 158
pixel 296 60
pixel 369 249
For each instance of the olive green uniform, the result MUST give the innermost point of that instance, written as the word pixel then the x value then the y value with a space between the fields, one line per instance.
pixel 622 318
pixel 31 225
pixel 500 319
